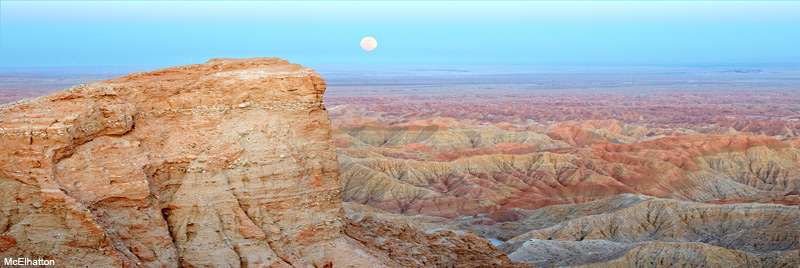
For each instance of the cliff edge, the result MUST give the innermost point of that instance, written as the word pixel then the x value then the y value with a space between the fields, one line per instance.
pixel 229 163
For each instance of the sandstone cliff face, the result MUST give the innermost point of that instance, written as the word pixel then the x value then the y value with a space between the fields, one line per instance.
pixel 222 164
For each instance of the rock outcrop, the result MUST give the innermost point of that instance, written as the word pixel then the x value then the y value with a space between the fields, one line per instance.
pixel 224 164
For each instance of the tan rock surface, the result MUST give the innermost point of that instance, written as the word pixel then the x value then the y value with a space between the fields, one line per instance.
pixel 224 164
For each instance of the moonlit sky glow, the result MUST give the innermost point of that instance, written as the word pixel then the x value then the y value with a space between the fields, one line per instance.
pixel 668 33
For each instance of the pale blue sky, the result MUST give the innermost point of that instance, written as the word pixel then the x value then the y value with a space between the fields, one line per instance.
pixel 673 33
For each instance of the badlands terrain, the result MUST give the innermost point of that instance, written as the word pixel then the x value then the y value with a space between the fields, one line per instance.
pixel 603 167
pixel 234 163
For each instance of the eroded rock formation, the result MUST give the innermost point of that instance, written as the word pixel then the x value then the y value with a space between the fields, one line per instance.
pixel 559 179
pixel 224 164
pixel 642 231
pixel 485 169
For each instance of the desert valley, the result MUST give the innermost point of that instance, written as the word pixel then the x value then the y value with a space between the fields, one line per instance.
pixel 603 167
pixel 240 163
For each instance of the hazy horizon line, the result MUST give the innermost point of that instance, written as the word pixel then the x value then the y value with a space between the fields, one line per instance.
pixel 795 65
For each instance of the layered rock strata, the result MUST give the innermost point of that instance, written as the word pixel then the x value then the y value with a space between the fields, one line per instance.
pixel 451 168
pixel 224 164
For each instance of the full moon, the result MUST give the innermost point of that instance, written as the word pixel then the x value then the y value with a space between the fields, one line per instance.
pixel 369 43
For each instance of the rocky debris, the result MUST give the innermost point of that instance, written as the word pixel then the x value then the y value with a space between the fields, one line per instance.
pixel 411 245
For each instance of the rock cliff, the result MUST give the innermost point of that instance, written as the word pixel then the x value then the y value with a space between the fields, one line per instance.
pixel 224 164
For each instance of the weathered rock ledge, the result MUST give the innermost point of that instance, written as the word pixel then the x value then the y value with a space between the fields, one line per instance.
pixel 224 164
